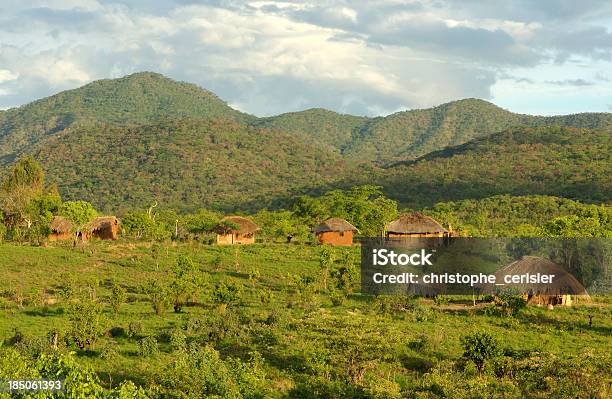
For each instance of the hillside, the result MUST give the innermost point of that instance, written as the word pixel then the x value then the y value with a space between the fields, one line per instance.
pixel 185 164
pixel 126 142
pixel 565 162
pixel 326 128
pixel 135 99
pixel 410 134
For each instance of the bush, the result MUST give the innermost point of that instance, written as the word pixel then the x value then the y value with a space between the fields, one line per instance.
pixel 178 340
pixel 135 329
pixel 201 373
pixel 337 297
pixel 226 293
pixel 86 324
pixel 441 300
pixel 148 347
pixel 265 296
pixel 117 297
pixel 158 295
pixel 480 347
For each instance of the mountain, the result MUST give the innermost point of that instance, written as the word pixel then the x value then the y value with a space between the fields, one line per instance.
pixel 410 134
pixel 560 161
pixel 326 128
pixel 135 99
pixel 186 164
pixel 127 142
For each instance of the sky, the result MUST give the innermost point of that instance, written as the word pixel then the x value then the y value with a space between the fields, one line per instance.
pixel 365 57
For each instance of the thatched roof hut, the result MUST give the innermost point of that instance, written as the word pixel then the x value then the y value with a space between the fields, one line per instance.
pixel 61 228
pixel 334 224
pixel 563 288
pixel 335 231
pixel 60 225
pixel 415 225
pixel 236 230
pixel 103 227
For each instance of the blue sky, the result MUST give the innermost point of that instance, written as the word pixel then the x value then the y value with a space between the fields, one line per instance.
pixel 360 57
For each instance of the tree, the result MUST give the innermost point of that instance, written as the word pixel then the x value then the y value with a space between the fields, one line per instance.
pixel 281 225
pixel 86 324
pixel 480 347
pixel 78 212
pixel 27 207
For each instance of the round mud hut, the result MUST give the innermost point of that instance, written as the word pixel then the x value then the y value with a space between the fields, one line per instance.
pixel 236 230
pixel 61 229
pixel 335 231
pixel 564 289
pixel 415 225
pixel 103 228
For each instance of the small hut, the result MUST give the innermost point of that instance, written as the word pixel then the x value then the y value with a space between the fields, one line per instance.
pixel 335 231
pixel 564 289
pixel 61 229
pixel 415 225
pixel 236 230
pixel 103 228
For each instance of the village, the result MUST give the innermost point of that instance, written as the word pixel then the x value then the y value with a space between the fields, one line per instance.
pixel 534 281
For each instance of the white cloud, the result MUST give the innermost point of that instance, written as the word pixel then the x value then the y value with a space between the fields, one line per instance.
pixel 274 56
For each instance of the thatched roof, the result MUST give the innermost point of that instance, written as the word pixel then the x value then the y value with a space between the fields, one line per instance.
pixel 101 222
pixel 61 225
pixel 334 224
pixel 415 223
pixel 245 226
pixel 563 282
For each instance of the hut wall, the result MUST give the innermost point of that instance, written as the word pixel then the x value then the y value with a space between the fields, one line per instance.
pixel 60 236
pixel 108 232
pixel 336 238
pixel 230 239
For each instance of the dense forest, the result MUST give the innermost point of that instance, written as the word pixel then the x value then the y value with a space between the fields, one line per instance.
pixel 564 162
pixel 127 142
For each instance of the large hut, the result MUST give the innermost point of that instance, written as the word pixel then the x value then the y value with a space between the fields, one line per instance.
pixel 563 290
pixel 415 225
pixel 335 231
pixel 61 229
pixel 236 230
pixel 102 227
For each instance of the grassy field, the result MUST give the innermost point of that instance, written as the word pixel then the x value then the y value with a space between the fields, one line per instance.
pixel 311 343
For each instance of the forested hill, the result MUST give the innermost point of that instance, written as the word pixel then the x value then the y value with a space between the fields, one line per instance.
pixel 135 99
pixel 126 142
pixel 560 161
pixel 187 164
pixel 146 98
pixel 410 134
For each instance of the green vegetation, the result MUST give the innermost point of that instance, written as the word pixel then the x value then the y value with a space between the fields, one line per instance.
pixel 126 143
pixel 185 164
pixel 300 342
pixel 563 162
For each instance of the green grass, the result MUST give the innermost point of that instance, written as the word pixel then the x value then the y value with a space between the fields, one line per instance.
pixel 305 333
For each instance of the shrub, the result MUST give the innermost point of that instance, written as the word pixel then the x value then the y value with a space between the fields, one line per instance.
pixel 86 324
pixel 337 297
pixel 158 295
pixel 480 347
pixel 135 329
pixel 226 293
pixel 117 297
pixel 265 296
pixel 148 347
pixel 510 305
pixel 441 300
pixel 109 351
pixel 201 373
pixel 178 340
